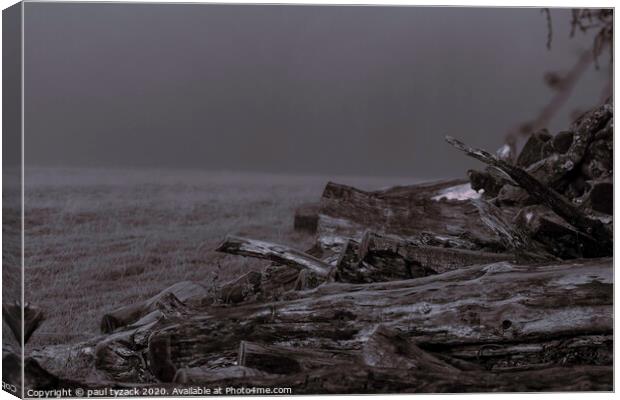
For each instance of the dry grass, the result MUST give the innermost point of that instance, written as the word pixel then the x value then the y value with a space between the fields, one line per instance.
pixel 96 240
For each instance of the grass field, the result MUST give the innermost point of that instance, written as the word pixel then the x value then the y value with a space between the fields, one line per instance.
pixel 99 239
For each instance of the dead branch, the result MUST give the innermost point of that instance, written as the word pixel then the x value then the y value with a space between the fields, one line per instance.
pixel 277 253
pixel 544 195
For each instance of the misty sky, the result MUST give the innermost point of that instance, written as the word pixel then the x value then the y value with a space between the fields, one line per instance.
pixel 292 89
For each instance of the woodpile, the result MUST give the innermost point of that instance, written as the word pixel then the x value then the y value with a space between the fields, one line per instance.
pixel 502 282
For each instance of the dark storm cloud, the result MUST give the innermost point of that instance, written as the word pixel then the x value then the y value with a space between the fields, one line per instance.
pixel 348 90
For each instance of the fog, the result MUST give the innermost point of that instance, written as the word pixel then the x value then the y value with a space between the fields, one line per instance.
pixel 290 89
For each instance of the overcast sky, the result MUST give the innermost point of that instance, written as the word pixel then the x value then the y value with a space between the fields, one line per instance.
pixel 293 89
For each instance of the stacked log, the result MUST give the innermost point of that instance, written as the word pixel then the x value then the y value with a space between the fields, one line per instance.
pixel 570 174
pixel 500 283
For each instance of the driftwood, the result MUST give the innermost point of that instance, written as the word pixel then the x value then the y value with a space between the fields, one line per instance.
pixel 380 258
pixel 283 360
pixel 343 313
pixel 426 212
pixel 480 309
pixel 387 348
pixel 499 326
pixel 438 287
pixel 389 362
pixel 547 196
pixel 279 254
pixel 436 259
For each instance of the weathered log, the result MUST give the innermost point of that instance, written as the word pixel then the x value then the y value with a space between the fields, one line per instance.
pixel 387 348
pixel 115 355
pixel 378 259
pixel 545 195
pixel 495 304
pixel 116 358
pixel 389 361
pixel 283 360
pixel 564 351
pixel 500 317
pixel 279 254
pixel 124 316
pixel 414 212
pixel 419 260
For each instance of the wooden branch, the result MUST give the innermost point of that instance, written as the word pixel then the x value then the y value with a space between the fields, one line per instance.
pixel 544 195
pixel 273 252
